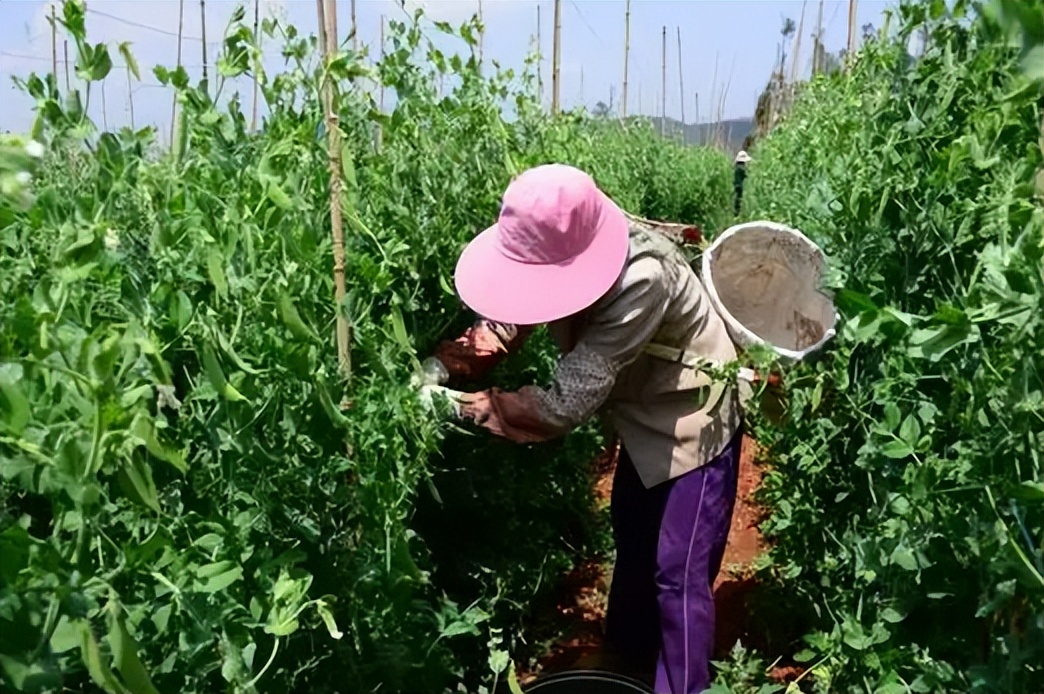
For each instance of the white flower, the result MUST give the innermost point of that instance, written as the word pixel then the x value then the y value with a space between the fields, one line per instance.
pixel 34 149
pixel 165 398
pixel 112 239
pixel 23 177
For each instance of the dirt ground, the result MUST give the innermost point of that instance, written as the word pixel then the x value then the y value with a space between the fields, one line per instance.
pixel 582 594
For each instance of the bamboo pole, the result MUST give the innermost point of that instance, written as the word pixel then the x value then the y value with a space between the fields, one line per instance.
pixel 796 52
pixel 130 97
pixel 203 42
pixel 381 100
pixel 851 31
pixel 174 102
pixel 540 62
pixel 65 50
pixel 681 84
pixel 818 45
pixel 699 129
pixel 257 39
pixel 556 64
pixel 54 45
pixel 328 26
pixel 663 87
pixel 105 113
pixel 355 26
pixel 582 86
pixel 482 36
pixel 627 57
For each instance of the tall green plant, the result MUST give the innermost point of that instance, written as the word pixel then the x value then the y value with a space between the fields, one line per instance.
pixel 190 499
pixel 906 487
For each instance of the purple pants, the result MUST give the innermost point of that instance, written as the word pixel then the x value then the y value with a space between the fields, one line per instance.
pixel 670 541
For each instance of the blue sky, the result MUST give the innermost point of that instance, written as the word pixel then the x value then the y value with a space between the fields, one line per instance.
pixel 741 36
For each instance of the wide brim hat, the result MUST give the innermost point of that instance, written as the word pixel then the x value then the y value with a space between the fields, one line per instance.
pixel 558 246
pixel 742 157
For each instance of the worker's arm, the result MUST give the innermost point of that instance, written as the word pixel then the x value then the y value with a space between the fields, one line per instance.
pixel 480 348
pixel 614 337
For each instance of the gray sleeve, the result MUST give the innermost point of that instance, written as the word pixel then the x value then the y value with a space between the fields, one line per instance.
pixel 613 338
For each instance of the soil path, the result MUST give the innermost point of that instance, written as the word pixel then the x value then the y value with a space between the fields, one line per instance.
pixel 581 598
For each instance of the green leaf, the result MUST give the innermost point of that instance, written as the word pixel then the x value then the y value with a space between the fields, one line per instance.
pixel 910 431
pixel 217 576
pixel 135 478
pixel 904 557
pixel 892 616
pixel 216 270
pixel 897 449
pixel 125 654
pixel 399 331
pixel 143 428
pixel 892 416
pixel 933 343
pixel 14 406
pixel 101 63
pixel 498 660
pixel 67 635
pixel 1029 491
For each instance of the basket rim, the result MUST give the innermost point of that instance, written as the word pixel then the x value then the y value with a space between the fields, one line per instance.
pixel 733 323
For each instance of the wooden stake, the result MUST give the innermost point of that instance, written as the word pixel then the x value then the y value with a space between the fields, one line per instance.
pixel 663 87
pixel 130 97
pixel 105 114
pixel 257 38
pixel 328 27
pixel 851 31
pixel 482 36
pixel 355 32
pixel 381 101
pixel 699 130
pixel 54 45
pixel 320 10
pixel 556 81
pixel 65 49
pixel 203 42
pixel 540 62
pixel 174 103
pixel 681 85
pixel 796 52
pixel 818 45
pixel 627 58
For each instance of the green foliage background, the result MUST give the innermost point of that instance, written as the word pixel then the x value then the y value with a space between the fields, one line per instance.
pixel 907 491
pixel 185 504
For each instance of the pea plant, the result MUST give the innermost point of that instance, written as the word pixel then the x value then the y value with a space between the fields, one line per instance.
pixel 192 497
pixel 906 484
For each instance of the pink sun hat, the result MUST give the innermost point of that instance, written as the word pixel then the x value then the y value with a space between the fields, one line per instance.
pixel 558 246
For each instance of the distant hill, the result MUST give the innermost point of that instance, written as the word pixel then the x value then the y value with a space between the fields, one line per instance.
pixel 733 131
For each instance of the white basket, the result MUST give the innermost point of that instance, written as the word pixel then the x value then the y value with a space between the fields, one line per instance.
pixel 764 279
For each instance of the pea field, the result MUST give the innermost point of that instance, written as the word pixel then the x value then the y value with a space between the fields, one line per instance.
pixel 196 497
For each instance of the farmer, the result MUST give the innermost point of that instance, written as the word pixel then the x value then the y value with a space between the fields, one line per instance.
pixel 611 291
pixel 739 176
